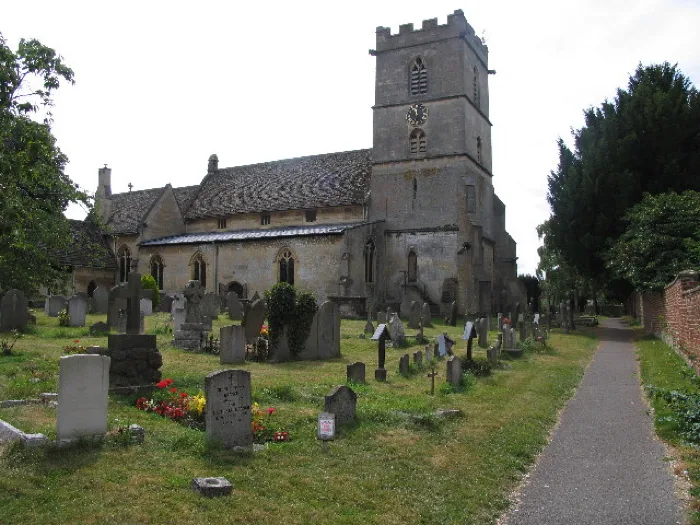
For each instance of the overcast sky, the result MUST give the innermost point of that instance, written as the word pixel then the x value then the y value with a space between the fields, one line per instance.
pixel 160 86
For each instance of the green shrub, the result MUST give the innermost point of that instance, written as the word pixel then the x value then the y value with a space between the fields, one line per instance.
pixel 149 283
pixel 286 307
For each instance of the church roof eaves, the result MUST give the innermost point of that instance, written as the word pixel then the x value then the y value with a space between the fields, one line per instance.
pixel 87 248
pixel 252 235
pixel 331 179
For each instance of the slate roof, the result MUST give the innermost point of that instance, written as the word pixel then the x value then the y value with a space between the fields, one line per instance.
pixel 332 179
pixel 252 235
pixel 130 209
pixel 88 247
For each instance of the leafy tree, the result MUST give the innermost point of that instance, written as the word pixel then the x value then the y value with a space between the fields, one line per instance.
pixel 34 189
pixel 645 140
pixel 532 286
pixel 662 238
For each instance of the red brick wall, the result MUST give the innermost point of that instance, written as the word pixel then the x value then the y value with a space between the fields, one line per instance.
pixel 682 318
pixel 651 311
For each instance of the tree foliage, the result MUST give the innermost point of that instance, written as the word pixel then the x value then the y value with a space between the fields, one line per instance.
pixel 532 286
pixel 287 307
pixel 645 140
pixel 148 282
pixel 662 239
pixel 34 188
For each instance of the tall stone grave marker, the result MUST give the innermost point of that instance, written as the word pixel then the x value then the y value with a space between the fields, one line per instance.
pixel 56 304
pixel 83 387
pixel 231 344
pixel 192 330
pixel 414 315
pixel 483 332
pixel 100 300
pixel 77 309
pixel 381 335
pixel 426 315
pixel 418 359
pixel 253 320
pixel 355 372
pixel 404 363
pixel 228 417
pixel 328 330
pixel 454 371
pixel 178 318
pixel 396 329
pixel 234 307
pixel 341 401
pixel 211 305
pixel 13 311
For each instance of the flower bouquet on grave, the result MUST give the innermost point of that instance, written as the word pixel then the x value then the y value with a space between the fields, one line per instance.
pixel 168 401
pixel 75 348
pixel 262 421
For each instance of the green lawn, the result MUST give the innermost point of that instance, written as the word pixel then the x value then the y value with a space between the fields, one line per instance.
pixel 664 369
pixel 384 469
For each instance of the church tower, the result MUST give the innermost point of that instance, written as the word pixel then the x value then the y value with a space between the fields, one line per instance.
pixel 431 174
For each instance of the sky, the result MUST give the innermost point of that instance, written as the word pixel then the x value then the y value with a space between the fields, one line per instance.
pixel 160 86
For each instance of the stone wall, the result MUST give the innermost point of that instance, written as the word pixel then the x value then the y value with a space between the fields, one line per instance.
pixel 83 276
pixel 682 314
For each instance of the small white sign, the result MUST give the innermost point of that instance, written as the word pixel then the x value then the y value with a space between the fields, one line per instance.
pixel 468 331
pixel 326 426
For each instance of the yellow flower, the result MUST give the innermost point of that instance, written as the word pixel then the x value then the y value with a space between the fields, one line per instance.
pixel 197 403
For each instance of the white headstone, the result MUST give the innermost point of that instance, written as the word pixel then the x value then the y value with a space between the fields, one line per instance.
pixel 77 309
pixel 146 306
pixel 442 345
pixel 468 330
pixel 83 386
pixel 178 318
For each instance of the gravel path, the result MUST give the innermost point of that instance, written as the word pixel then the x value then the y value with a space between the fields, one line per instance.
pixel 604 465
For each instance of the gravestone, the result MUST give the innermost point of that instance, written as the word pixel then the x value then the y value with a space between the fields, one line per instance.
pixel 56 304
pixel 83 386
pixel 281 352
pixel 166 303
pixel 426 315
pixel 77 309
pixel 454 371
pixel 310 350
pixel 381 335
pixel 404 363
pixel 453 314
pixel 116 303
pixel 146 306
pixel 99 328
pixel 381 317
pixel 355 372
pixel 231 344
pixel 483 332
pixel 469 335
pixel 328 330
pixel 100 300
pixel 178 303
pixel 341 401
pixel 192 331
pixel 178 318
pixel 256 297
pixel 418 358
pixel 211 305
pixel 428 353
pixel 369 327
pixel 234 307
pixel 442 345
pixel 396 330
pixel 13 311
pixel 492 355
pixel 414 315
pixel 122 322
pixel 228 417
pixel 253 320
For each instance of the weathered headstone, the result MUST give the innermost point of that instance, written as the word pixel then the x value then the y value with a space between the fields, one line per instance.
pixel 211 305
pixel 231 344
pixel 355 372
pixel 99 328
pixel 469 335
pixel 454 371
pixel 56 304
pixel 418 359
pixel 192 331
pixel 77 309
pixel 100 300
pixel 341 401
pixel 442 345
pixel 428 353
pixel 404 363
pixel 146 306
pixel 483 332
pixel 414 315
pixel 178 302
pixel 116 303
pixel 228 416
pixel 13 311
pixel 178 318
pixel 234 307
pixel 83 386
pixel 381 317
pixel 328 330
pixel 426 315
pixel 253 320
pixel 381 335
pixel 396 329
pixel 166 303
pixel 492 355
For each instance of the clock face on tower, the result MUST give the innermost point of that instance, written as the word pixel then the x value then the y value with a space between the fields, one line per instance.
pixel 417 115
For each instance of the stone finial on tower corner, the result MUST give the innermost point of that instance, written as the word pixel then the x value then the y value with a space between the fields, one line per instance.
pixel 104 181
pixel 213 164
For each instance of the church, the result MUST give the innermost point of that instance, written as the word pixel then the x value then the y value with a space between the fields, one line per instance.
pixel 414 218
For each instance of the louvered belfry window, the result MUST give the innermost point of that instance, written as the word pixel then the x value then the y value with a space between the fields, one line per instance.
pixel 417 141
pixel 419 77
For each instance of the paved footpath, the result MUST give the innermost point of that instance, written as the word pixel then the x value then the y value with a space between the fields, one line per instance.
pixel 603 466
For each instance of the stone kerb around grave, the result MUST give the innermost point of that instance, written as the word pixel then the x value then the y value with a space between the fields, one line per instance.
pixel 83 386
pixel 228 413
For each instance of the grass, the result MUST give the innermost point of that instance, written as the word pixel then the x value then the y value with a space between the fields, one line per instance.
pixel 662 368
pixel 385 468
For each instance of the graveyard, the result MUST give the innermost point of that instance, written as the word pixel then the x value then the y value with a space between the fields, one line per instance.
pixel 407 457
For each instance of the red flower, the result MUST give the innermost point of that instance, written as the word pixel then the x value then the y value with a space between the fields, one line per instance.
pixel 183 394
pixel 270 411
pixel 173 390
pixel 76 340
pixel 161 384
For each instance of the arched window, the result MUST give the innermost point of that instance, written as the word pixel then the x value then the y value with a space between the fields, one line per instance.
pixel 199 270
pixel 418 80
pixel 412 267
pixel 124 262
pixel 479 156
pixel 369 261
pixel 286 266
pixel 477 91
pixel 417 141
pixel 157 270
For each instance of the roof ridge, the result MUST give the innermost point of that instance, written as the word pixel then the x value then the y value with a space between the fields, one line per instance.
pixel 289 159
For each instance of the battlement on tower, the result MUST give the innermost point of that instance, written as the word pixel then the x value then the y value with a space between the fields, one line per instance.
pixel 430 31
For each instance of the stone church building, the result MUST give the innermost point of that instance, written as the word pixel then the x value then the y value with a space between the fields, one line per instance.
pixel 413 218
